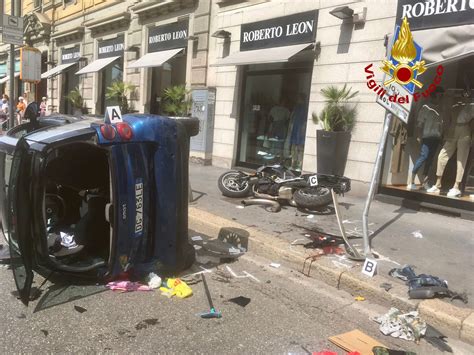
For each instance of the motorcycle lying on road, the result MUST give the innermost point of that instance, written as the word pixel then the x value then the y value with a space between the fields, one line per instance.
pixel 272 184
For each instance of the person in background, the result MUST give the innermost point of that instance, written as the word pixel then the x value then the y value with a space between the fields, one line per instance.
pixel 4 108
pixel 25 98
pixel 20 109
pixel 43 106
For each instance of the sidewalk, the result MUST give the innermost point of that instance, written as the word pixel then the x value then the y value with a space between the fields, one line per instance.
pixel 445 249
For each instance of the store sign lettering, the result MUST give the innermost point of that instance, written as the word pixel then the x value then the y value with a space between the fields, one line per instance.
pixel 70 55
pixel 435 13
pixel 171 36
pixel 283 31
pixel 276 32
pixel 111 47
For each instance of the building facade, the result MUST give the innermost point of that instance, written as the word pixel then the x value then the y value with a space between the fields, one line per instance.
pixel 257 68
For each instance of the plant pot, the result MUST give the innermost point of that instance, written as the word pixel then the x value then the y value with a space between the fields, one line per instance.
pixel 332 150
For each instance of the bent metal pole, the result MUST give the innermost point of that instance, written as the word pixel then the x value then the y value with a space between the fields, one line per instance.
pixel 374 183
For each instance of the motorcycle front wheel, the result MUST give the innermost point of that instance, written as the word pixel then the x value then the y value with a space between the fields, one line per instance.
pixel 234 184
pixel 313 197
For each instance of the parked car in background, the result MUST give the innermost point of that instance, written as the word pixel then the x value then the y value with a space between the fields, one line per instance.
pixel 83 197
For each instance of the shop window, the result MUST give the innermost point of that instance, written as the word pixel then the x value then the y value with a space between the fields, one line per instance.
pixel 432 159
pixel 113 72
pixel 274 117
pixel 38 3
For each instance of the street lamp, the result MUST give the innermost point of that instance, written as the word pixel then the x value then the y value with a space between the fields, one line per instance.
pixel 342 12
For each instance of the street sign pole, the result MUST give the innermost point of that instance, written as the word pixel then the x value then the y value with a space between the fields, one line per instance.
pixel 12 109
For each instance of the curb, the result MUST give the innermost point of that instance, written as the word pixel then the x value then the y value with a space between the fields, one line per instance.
pixel 453 321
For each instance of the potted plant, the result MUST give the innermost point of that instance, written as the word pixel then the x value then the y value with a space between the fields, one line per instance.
pixel 337 120
pixel 118 91
pixel 176 101
pixel 76 100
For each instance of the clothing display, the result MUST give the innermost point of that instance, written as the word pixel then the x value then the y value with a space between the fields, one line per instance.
pixel 400 134
pixel 461 140
pixel 279 126
pixel 428 149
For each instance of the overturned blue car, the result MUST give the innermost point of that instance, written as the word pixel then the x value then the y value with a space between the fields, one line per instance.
pixel 95 199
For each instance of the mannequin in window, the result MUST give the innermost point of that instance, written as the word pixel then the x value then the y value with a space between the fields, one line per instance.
pixel 458 138
pixel 297 131
pixel 429 122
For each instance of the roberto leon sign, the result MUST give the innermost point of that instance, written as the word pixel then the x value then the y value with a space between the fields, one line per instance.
pixel 171 36
pixel 278 32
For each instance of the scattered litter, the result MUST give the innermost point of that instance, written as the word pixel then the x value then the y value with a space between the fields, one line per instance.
pixel 275 265
pixel 80 309
pixel 437 339
pixel 381 257
pixel 380 350
pixel 45 332
pixel 196 238
pixel 408 326
pixel 425 286
pixel 153 280
pixel 359 298
pixel 320 240
pixel 355 340
pixel 417 234
pixel 212 312
pixel 307 235
pixel 241 301
pixel 127 286
pixel 386 286
pixel 240 207
pixel 176 287
pixel 300 241
pixel 310 216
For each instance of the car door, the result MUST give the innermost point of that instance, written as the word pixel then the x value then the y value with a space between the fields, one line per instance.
pixel 19 220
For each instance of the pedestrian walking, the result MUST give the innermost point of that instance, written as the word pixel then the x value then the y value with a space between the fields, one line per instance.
pixel 20 109
pixel 43 106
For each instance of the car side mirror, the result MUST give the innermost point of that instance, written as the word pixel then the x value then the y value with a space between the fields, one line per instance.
pixel 32 112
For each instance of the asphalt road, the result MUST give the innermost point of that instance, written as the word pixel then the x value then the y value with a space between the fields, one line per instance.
pixel 287 313
pixel 445 248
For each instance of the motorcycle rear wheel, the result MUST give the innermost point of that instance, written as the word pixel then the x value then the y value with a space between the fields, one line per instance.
pixel 232 185
pixel 313 197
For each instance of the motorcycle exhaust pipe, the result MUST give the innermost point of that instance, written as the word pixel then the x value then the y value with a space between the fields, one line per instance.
pixel 275 206
pixel 265 196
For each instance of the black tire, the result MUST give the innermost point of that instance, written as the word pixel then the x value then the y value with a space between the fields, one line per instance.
pixel 312 197
pixel 230 188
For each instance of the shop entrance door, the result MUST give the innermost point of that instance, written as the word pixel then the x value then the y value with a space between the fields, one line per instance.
pixel 70 82
pixel 169 74
pixel 274 113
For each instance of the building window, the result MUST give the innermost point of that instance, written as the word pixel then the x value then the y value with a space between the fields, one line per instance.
pixel 38 3
pixel 111 73
pixel 431 158
pixel 274 117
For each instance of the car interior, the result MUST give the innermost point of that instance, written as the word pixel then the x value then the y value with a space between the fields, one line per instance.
pixel 77 191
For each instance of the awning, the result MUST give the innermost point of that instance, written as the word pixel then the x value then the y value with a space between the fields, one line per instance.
pixel 155 59
pixel 260 56
pixel 445 44
pixel 5 79
pixel 97 65
pixel 56 70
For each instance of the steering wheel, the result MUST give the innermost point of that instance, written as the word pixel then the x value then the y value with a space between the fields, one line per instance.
pixel 55 208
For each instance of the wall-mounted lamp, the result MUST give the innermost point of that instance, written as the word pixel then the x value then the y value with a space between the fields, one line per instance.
pixel 346 13
pixel 221 34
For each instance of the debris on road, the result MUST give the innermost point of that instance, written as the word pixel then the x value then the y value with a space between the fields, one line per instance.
pixel 437 339
pixel 354 341
pixel 380 350
pixel 425 286
pixel 417 234
pixel 80 309
pixel 212 311
pixel 153 280
pixel 319 252
pixel 127 286
pixel 241 301
pixel 245 274
pixel 359 298
pixel 176 287
pixel 408 326
pixel 275 265
pixel 386 286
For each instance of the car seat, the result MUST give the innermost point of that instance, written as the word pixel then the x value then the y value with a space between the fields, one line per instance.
pixel 93 230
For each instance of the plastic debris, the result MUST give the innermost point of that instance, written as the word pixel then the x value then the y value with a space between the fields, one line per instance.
pixel 176 287
pixel 310 216
pixel 67 240
pixel 153 280
pixel 240 207
pixel 408 326
pixel 196 238
pixel 127 286
pixel 359 298
pixel 275 265
pixel 80 309
pixel 386 286
pixel 241 301
pixel 417 234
